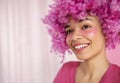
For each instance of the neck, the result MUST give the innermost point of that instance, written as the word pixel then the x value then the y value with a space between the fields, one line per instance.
pixel 95 67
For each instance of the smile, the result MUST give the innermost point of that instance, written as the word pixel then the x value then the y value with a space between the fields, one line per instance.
pixel 79 47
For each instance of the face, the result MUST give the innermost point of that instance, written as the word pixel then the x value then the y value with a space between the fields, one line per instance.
pixel 85 37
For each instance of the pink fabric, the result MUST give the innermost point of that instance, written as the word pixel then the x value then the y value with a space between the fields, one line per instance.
pixel 112 75
pixel 68 70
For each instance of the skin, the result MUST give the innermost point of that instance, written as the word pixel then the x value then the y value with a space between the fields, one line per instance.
pixel 88 31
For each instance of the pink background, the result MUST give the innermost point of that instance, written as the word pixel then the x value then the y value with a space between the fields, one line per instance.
pixel 114 55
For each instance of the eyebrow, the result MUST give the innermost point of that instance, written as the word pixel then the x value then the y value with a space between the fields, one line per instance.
pixel 85 19
pixel 81 20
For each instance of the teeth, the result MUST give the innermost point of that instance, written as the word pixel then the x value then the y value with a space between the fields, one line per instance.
pixel 81 46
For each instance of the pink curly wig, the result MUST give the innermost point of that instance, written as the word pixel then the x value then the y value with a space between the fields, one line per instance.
pixel 108 12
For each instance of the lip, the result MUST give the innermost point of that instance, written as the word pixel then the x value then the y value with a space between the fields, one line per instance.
pixel 81 49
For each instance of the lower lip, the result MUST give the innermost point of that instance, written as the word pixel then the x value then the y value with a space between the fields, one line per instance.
pixel 81 49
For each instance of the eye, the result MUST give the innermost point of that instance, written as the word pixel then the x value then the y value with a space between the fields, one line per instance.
pixel 84 27
pixel 69 31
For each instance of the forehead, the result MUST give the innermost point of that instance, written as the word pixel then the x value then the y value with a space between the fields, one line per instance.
pixel 90 19
pixel 80 20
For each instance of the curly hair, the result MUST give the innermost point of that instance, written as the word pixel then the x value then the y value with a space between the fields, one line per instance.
pixel 108 12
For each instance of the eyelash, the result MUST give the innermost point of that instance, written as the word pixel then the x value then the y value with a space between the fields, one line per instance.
pixel 69 31
pixel 84 27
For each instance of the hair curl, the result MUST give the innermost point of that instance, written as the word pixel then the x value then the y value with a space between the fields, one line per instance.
pixel 108 12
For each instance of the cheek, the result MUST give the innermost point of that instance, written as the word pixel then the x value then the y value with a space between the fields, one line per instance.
pixel 68 38
pixel 91 32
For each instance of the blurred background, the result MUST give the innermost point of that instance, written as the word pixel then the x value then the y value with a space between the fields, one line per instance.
pixel 25 44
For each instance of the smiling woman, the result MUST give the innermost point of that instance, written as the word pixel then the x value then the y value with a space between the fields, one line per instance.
pixel 87 27
pixel 85 38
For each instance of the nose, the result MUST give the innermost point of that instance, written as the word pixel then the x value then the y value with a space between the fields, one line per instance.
pixel 77 35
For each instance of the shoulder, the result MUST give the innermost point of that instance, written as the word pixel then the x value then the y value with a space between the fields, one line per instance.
pixel 116 68
pixel 66 72
pixel 71 64
pixel 112 75
pixel 116 73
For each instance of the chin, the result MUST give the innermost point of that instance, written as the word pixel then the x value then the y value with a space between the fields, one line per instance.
pixel 83 57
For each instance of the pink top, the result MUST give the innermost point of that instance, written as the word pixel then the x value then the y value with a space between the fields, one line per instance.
pixel 68 70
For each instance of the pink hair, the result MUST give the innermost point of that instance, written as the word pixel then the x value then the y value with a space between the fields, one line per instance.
pixel 107 10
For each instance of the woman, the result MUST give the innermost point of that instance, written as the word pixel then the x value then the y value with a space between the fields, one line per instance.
pixel 87 27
